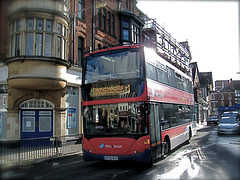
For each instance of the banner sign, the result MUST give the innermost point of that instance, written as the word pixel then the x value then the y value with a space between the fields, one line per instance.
pixel 71 117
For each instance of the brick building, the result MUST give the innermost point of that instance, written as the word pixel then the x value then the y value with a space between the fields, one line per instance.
pixel 41 54
pixel 225 97
pixel 41 51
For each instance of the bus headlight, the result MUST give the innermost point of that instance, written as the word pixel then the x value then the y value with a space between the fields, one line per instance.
pixel 146 141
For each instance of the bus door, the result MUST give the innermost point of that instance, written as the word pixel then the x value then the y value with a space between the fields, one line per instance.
pixel 155 131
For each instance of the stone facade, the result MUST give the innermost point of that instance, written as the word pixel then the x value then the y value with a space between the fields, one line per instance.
pixel 42 48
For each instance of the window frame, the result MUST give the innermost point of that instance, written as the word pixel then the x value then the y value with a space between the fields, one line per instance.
pixel 125 28
pixel 81 5
pixel 104 14
pixel 16 38
pixel 33 36
pixel 109 22
pixel 100 18
pixel 80 50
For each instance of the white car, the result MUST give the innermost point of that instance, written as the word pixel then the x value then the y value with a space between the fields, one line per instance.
pixel 228 125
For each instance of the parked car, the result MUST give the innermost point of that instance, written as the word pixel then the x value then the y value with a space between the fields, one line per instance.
pixel 231 114
pixel 228 125
pixel 212 120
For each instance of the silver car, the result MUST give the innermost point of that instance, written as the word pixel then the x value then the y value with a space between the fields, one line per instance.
pixel 228 125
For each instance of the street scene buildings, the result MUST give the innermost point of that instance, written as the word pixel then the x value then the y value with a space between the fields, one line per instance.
pixel 41 56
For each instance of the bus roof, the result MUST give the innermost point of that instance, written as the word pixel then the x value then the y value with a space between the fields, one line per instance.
pixel 113 48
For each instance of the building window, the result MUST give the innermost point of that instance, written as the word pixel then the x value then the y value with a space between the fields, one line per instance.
pixel 113 25
pixel 38 37
pixel 213 105
pixel 135 33
pixel 100 18
pixel 125 30
pixel 222 103
pixel 80 50
pixel 109 22
pixel 29 44
pixel 48 44
pixel 39 24
pixel 49 26
pixel 13 27
pixel 59 44
pixel 16 38
pixel 130 31
pixel 64 31
pixel 18 25
pixel 230 103
pixel 61 41
pixel 213 96
pixel 229 97
pixel 38 44
pixel 63 48
pixel 104 19
pixel 4 100
pixel 18 45
pixel 81 5
pixel 3 88
pixel 222 97
pixel 30 24
pixel 59 28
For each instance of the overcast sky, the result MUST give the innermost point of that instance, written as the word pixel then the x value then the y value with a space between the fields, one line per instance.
pixel 211 28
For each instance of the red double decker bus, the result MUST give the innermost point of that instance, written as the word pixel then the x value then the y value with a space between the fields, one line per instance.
pixel 136 105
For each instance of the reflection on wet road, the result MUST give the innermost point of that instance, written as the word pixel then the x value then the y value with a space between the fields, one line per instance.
pixel 214 157
pixel 208 157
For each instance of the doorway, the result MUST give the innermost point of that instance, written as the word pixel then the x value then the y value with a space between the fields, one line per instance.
pixel 36 119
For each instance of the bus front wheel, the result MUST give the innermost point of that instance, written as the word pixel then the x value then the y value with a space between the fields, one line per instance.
pixel 166 147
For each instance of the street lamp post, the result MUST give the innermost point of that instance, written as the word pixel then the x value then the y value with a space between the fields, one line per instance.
pixel 94 5
pixel 93 25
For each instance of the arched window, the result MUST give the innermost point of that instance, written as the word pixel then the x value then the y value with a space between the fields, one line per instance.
pixel 33 103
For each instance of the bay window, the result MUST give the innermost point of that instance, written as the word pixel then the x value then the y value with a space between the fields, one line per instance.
pixel 130 28
pixel 125 30
pixel 16 38
pixel 58 48
pixel 35 37
pixel 38 44
pixel 18 45
pixel 29 44
pixel 48 44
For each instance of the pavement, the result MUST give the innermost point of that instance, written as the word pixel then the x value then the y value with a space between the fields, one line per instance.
pixel 59 158
pixel 201 125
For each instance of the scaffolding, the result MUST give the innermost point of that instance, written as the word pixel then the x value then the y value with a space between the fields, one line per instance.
pixel 177 53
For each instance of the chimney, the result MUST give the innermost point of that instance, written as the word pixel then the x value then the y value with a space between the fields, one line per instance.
pixel 231 83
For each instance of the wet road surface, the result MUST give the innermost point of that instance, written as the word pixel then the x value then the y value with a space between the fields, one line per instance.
pixel 208 156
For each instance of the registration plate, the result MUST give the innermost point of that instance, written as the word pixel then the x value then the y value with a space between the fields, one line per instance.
pixel 111 158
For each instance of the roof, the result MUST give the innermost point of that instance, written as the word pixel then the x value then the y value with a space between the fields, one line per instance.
pixel 236 84
pixel 206 78
pixel 227 88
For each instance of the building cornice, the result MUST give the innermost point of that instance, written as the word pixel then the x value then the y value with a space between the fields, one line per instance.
pixel 39 58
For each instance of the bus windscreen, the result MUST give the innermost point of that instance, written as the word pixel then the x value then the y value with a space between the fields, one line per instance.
pixel 111 66
pixel 122 119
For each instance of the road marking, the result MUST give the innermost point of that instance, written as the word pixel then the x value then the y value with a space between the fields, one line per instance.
pixel 58 166
pixel 11 174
